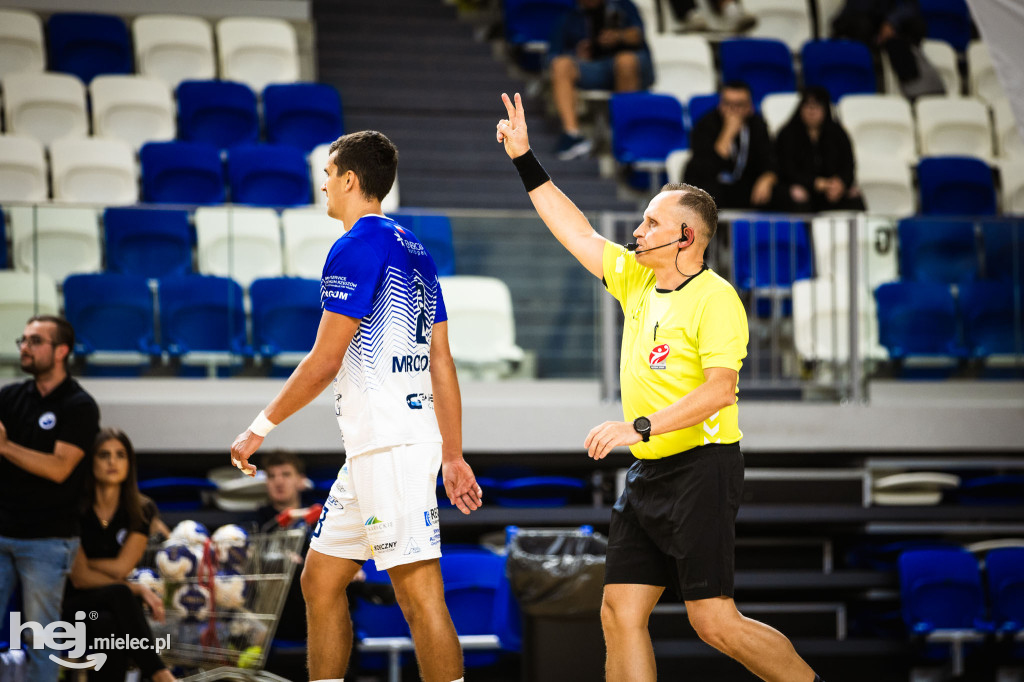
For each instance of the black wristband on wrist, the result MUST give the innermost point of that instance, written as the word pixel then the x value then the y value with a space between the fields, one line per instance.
pixel 531 172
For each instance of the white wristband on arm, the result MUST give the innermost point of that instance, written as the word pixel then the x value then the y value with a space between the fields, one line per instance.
pixel 261 426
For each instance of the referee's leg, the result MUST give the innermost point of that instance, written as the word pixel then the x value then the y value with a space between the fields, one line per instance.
pixel 625 611
pixel 328 624
pixel 764 651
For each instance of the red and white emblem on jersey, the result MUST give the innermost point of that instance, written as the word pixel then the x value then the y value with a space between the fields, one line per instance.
pixel 659 356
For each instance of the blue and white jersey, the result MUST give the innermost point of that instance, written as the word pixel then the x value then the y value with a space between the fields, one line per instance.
pixel 380 273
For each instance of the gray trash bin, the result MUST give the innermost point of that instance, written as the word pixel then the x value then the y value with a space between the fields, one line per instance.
pixel 557 576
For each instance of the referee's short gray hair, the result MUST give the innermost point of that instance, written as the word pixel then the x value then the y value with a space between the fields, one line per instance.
pixel 700 202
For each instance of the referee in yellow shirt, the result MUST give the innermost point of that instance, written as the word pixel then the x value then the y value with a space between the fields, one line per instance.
pixel 684 339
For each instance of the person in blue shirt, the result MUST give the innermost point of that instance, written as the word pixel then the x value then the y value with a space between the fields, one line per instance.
pixel 383 341
pixel 599 46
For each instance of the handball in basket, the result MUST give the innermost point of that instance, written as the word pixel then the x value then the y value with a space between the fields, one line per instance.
pixel 189 533
pixel 191 602
pixel 231 544
pixel 176 562
pixel 246 630
pixel 231 590
pixel 147 577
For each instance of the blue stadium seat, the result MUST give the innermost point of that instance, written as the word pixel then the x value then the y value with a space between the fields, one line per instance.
pixel 933 250
pixel 181 173
pixel 303 115
pixel 148 242
pixel 763 258
pixel 956 185
pixel 992 319
pixel 219 113
pixel 646 126
pixel 285 314
pixel 87 45
pixel 1005 570
pixel 177 493
pixel 529 26
pixel 948 20
pixel 435 233
pixel 697 107
pixel 537 491
pixel 268 175
pixel 765 64
pixel 999 490
pixel 202 313
pixel 917 318
pixel 1004 251
pixel 111 312
pixel 471 587
pixel 843 67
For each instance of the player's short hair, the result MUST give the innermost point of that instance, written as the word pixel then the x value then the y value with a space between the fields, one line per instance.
pixel 372 157
pixel 65 335
pixel 276 458
pixel 700 202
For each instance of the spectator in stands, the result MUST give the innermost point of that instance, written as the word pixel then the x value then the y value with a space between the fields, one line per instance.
pixel 683 343
pixel 815 158
pixel 733 159
pixel 719 15
pixel 896 27
pixel 599 46
pixel 115 521
pixel 47 424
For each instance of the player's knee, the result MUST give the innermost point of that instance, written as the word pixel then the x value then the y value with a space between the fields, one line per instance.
pixel 563 67
pixel 319 589
pixel 618 616
pixel 711 627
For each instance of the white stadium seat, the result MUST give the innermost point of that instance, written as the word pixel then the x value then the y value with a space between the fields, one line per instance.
pixel 238 242
pixel 876 244
pixel 887 187
pixel 943 57
pixel 22 295
pixel 136 109
pixel 174 48
pixel 879 125
pixel 22 169
pixel 827 11
pixel 309 235
pixel 821 321
pixel 683 66
pixel 777 108
pixel 1011 174
pixel 481 327
pixel 46 106
pixel 953 126
pixel 785 20
pixel 981 74
pixel 257 51
pixel 93 170
pixel 1008 136
pixel 675 164
pixel 21 42
pixel 55 240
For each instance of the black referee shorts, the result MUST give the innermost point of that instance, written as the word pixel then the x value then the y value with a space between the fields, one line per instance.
pixel 675 524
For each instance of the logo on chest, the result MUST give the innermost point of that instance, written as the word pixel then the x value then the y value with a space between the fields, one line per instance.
pixel 658 358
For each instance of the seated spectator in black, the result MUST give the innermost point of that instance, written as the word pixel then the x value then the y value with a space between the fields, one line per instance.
pixel 815 159
pixel 896 27
pixel 733 159
pixel 599 46
pixel 115 529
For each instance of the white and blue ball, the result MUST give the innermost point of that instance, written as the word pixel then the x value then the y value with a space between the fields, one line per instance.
pixel 176 562
pixel 147 577
pixel 231 589
pixel 189 533
pixel 246 630
pixel 231 543
pixel 192 602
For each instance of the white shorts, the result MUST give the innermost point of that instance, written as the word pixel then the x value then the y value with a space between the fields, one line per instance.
pixel 383 505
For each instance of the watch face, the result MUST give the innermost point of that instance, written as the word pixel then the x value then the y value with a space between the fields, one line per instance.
pixel 642 424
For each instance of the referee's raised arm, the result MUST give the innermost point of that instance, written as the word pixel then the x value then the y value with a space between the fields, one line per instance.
pixel 565 221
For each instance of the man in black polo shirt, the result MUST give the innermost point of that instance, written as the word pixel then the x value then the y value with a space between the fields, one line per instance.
pixel 46 426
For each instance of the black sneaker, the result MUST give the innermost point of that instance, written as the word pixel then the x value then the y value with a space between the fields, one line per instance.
pixel 572 146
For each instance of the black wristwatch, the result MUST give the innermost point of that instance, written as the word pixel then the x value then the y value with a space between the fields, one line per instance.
pixel 643 427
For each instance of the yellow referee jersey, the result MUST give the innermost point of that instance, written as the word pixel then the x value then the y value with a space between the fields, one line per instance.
pixel 668 340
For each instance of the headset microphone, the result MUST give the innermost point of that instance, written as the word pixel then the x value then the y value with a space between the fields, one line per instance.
pixel 633 246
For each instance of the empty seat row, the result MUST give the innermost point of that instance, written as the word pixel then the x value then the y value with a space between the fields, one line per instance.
pixel 140 109
pixel 242 243
pixel 255 51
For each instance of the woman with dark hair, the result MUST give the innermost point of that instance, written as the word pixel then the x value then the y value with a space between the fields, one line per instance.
pixel 815 158
pixel 115 525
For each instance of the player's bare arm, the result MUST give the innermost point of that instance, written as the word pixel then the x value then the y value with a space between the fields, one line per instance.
pixel 565 221
pixel 309 380
pixel 55 467
pixel 459 482
pixel 717 391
